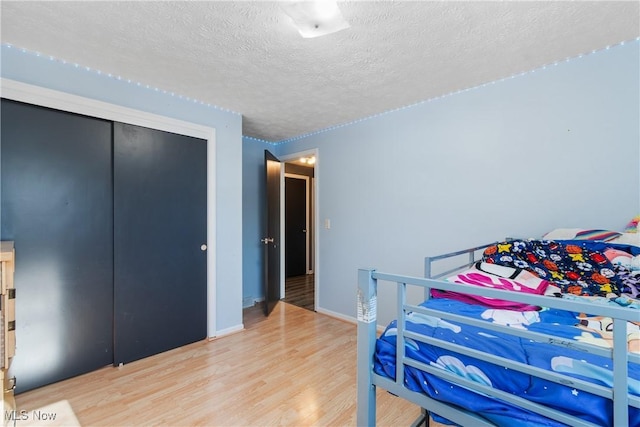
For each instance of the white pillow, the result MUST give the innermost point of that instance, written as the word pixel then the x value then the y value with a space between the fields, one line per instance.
pixel 562 234
pixel 628 239
pixel 582 234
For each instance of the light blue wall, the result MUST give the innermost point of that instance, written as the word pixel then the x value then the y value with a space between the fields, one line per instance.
pixel 558 147
pixel 41 71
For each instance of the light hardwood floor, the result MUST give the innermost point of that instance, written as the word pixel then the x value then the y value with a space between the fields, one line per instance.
pixel 295 368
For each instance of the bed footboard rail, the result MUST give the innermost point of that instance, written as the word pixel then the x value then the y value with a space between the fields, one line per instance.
pixel 368 280
pixel 367 380
pixel 367 317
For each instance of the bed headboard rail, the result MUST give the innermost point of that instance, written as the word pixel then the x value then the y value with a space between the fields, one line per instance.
pixel 472 254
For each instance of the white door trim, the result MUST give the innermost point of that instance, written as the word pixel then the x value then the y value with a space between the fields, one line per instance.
pixel 316 215
pixel 37 95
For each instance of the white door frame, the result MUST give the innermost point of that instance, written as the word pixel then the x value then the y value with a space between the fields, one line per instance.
pixel 37 95
pixel 316 209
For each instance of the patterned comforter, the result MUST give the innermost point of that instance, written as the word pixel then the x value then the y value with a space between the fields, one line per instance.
pixel 546 356
pixel 577 267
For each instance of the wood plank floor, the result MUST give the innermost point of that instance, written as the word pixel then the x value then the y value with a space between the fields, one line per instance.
pixel 295 368
pixel 300 291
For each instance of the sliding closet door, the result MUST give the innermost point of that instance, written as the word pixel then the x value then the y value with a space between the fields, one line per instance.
pixel 160 215
pixel 56 204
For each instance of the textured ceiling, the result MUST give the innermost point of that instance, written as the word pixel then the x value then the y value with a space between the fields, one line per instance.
pixel 246 57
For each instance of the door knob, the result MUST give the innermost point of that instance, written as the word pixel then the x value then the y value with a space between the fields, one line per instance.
pixel 267 240
pixel 203 247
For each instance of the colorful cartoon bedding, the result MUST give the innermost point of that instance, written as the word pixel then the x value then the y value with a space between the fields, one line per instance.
pixel 550 357
pixel 579 267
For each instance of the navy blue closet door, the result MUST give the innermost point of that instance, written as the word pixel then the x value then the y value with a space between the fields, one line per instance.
pixel 56 204
pixel 160 216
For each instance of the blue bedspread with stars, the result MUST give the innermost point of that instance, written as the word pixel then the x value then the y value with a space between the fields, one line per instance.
pixel 573 363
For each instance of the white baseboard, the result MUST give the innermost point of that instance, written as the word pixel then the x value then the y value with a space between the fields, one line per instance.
pixel 379 328
pixel 336 315
pixel 228 331
pixel 250 302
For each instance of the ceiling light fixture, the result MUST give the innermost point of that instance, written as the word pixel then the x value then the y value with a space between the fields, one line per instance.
pixel 315 18
pixel 308 160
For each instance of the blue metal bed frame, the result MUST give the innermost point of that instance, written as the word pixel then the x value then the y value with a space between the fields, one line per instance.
pixel 368 381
